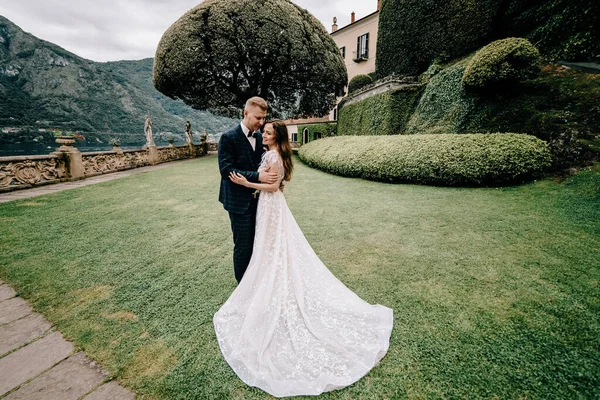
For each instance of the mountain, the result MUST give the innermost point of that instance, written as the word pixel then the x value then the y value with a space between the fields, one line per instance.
pixel 45 86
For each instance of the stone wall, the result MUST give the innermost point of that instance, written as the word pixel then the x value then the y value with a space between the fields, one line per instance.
pixel 67 163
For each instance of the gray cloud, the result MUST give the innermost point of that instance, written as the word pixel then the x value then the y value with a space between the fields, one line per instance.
pixel 109 30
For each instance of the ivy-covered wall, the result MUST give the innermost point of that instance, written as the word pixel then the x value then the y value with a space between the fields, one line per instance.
pixel 560 106
pixel 325 130
pixel 559 99
pixel 382 114
pixel 446 107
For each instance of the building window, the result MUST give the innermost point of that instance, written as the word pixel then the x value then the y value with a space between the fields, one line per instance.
pixel 335 113
pixel 305 137
pixel 294 137
pixel 343 51
pixel 362 47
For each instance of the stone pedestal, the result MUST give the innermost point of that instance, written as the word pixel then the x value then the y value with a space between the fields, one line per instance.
pixel 75 164
pixel 191 150
pixel 152 154
pixel 71 157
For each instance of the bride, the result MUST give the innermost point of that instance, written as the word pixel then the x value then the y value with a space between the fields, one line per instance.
pixel 291 327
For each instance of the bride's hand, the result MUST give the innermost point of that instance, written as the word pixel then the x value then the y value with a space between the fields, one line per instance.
pixel 238 178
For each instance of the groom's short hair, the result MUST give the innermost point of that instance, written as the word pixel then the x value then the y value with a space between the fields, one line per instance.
pixel 256 102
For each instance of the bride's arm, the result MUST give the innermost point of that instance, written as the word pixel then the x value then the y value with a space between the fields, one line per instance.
pixel 227 162
pixel 267 187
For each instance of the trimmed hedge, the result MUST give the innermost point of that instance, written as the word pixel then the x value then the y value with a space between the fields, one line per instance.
pixel 502 64
pixel 324 129
pixel 383 114
pixel 447 160
pixel 359 82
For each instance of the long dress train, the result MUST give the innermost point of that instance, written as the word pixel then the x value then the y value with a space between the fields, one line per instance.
pixel 291 327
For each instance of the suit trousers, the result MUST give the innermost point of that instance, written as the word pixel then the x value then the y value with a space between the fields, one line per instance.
pixel 242 226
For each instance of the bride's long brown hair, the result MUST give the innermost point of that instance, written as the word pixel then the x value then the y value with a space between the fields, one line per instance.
pixel 282 140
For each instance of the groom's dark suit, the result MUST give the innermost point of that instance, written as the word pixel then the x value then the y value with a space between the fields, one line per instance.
pixel 236 155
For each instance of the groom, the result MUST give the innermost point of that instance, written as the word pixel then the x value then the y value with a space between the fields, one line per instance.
pixel 240 150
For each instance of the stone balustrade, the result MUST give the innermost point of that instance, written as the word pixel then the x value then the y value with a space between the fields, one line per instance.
pixel 103 162
pixel 213 147
pixel 28 171
pixel 67 163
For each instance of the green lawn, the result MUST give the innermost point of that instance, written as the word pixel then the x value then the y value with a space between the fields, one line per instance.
pixel 495 291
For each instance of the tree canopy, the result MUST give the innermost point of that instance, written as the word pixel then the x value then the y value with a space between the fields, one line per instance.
pixel 222 52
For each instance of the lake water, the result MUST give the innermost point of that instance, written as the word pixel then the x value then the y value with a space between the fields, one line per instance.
pixel 33 149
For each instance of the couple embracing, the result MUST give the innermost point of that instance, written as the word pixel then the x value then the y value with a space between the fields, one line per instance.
pixel 290 327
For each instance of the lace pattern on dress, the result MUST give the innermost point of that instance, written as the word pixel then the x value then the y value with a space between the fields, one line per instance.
pixel 269 159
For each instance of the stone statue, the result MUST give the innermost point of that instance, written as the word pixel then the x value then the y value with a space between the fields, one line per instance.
pixel 188 132
pixel 148 132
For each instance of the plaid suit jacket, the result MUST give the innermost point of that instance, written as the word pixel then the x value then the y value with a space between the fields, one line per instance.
pixel 236 154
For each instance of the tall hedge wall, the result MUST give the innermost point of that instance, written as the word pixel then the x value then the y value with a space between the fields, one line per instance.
pixel 324 129
pixel 382 114
pixel 560 29
pixel 413 33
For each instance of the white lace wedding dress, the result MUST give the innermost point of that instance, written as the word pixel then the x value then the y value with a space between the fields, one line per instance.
pixel 291 327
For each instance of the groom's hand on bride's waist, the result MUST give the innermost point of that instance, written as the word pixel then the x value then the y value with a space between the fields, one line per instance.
pixel 267 177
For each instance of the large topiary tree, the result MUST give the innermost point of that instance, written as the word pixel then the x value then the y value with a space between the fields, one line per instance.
pixel 222 52
pixel 414 33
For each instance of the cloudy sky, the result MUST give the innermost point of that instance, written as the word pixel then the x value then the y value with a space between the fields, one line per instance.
pixel 110 30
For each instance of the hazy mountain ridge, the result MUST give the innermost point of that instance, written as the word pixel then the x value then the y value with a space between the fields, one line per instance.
pixel 45 86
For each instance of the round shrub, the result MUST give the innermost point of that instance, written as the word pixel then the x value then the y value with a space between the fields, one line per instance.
pixel 358 82
pixel 502 64
pixel 445 159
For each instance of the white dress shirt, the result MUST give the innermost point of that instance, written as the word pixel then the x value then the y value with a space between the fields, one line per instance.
pixel 251 139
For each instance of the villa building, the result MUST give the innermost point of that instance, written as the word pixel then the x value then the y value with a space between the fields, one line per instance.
pixel 357 43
